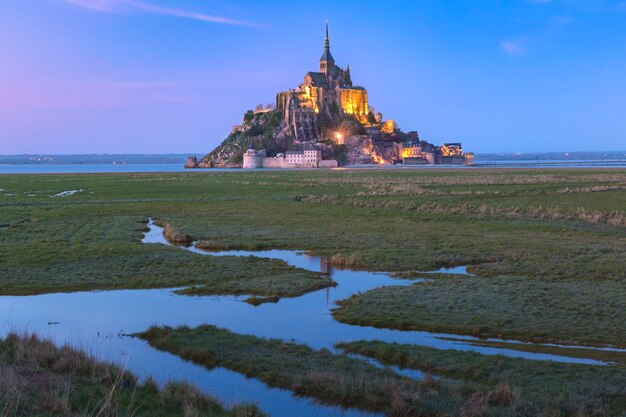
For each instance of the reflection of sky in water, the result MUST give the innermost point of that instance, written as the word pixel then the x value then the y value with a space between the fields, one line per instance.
pixel 97 320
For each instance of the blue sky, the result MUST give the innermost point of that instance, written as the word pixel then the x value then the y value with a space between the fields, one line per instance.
pixel 138 76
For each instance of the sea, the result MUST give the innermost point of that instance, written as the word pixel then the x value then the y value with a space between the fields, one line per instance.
pixel 178 167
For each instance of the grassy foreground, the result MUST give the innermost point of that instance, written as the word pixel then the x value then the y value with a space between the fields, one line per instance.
pixel 535 388
pixel 38 379
pixel 556 238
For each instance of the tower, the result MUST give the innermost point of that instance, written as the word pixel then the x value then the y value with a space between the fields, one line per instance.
pixel 327 62
pixel 347 76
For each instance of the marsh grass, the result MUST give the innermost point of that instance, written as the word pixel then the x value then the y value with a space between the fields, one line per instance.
pixel 608 355
pixel 257 301
pixel 559 311
pixel 102 250
pixel 557 230
pixel 327 377
pixel 524 387
pixel 174 236
pixel 39 379
pixel 612 218
pixel 426 275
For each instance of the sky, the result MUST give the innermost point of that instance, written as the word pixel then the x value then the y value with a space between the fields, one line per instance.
pixel 174 76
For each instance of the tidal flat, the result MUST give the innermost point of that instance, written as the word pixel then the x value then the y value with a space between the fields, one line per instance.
pixel 545 249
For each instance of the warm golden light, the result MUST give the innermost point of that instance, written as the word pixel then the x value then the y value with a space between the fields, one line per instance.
pixel 451 149
pixel 389 127
pixel 369 149
pixel 339 137
pixel 412 151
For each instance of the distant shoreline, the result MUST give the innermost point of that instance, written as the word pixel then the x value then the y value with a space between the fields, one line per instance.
pixel 32 169
pixel 145 163
pixel 180 158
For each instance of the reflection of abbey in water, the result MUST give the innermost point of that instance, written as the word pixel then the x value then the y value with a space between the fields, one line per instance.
pixel 329 91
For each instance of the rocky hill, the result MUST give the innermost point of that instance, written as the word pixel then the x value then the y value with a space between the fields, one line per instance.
pixel 362 142
pixel 259 130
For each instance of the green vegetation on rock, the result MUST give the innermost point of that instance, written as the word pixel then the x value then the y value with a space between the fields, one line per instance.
pixel 263 130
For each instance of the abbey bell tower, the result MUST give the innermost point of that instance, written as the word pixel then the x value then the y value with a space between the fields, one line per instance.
pixel 329 92
pixel 327 62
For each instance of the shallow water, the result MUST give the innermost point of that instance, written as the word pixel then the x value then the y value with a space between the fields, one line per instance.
pixel 98 321
pixel 65 193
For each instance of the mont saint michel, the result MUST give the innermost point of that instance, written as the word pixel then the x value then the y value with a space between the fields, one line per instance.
pixel 337 253
pixel 325 122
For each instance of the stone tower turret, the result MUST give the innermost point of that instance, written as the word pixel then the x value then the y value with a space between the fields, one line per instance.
pixel 348 77
pixel 327 62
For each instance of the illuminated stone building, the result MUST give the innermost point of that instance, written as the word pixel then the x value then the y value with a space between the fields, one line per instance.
pixel 329 91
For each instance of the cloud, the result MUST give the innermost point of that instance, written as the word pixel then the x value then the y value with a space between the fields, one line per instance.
pixel 115 6
pixel 38 93
pixel 136 85
pixel 513 47
pixel 174 98
pixel 107 6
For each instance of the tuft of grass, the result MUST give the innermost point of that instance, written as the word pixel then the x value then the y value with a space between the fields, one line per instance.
pixel 175 237
pixel 39 379
pixel 257 301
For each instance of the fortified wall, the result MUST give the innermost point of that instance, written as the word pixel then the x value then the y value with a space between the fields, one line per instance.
pixel 354 101
pixel 253 159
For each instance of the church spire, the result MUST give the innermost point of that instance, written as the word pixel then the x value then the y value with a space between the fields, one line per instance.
pixel 327 62
pixel 327 42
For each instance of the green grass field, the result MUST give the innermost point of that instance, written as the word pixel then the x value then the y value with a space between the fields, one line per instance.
pixel 547 246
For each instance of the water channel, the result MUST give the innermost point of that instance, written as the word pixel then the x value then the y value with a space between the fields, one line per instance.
pixel 97 322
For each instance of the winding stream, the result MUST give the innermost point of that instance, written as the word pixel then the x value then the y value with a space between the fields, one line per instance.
pixel 97 321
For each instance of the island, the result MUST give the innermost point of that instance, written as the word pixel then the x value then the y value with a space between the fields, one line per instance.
pixel 325 122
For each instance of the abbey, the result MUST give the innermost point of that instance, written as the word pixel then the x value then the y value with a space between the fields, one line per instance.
pixel 325 122
pixel 329 92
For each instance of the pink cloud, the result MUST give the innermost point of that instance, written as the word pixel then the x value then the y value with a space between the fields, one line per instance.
pixel 113 6
pixel 107 6
pixel 173 98
pixel 64 94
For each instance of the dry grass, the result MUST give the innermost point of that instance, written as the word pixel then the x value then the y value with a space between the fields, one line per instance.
pixel 39 379
pixel 257 301
pixel 175 237
pixel 613 218
pixel 340 261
